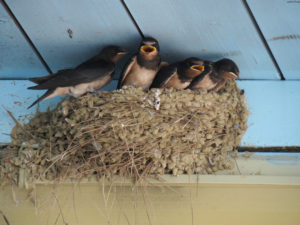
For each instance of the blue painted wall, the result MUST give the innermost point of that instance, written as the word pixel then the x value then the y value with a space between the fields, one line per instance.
pixel 263 39
pixel 210 29
pixel 17 59
pixel 93 23
pixel 280 23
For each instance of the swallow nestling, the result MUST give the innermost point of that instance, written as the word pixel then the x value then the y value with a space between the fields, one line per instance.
pixel 178 75
pixel 89 76
pixel 214 78
pixel 142 67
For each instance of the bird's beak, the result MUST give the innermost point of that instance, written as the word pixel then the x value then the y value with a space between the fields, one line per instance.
pixel 197 67
pixel 148 49
pixel 119 55
pixel 230 75
pixel 122 53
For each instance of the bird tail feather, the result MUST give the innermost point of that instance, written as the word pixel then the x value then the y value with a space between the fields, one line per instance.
pixel 36 87
pixel 45 95
pixel 38 80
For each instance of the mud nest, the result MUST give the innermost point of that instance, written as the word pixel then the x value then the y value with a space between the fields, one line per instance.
pixel 130 133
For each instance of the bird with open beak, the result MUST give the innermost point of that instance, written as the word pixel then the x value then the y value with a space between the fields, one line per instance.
pixel 142 67
pixel 89 76
pixel 215 76
pixel 178 75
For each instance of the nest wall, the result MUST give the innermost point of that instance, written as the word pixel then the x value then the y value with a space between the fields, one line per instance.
pixel 130 133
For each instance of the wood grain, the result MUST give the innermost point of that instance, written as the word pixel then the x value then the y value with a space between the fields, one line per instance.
pixel 280 23
pixel 69 32
pixel 208 29
pixel 17 59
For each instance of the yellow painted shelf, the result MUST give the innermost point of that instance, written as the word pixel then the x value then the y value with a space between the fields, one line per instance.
pixel 263 189
pixel 92 204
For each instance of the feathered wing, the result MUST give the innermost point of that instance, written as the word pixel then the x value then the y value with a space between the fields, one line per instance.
pixel 72 77
pixel 39 80
pixel 89 61
pixel 208 69
pixel 163 75
pixel 196 80
pixel 126 71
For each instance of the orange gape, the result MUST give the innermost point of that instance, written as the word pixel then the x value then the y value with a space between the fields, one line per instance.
pixel 197 67
pixel 148 49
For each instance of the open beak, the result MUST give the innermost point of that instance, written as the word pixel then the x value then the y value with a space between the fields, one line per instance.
pixel 197 67
pixel 148 49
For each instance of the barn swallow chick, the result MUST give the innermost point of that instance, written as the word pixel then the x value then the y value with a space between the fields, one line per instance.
pixel 178 75
pixel 142 67
pixel 87 77
pixel 216 75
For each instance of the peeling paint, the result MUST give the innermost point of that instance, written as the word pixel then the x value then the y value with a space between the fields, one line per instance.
pixel 284 37
pixel 70 32
pixel 293 1
pixel 232 53
pixel 18 103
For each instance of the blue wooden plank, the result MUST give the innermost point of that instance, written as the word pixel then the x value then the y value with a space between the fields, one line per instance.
pixel 209 29
pixel 16 98
pixel 17 59
pixel 274 118
pixel 274 107
pixel 280 23
pixel 70 31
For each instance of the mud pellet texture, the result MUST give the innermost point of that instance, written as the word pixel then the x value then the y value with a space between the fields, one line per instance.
pixel 129 133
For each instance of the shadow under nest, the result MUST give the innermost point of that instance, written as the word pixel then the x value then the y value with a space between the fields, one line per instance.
pixel 130 133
